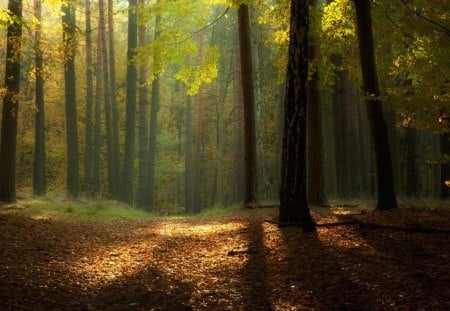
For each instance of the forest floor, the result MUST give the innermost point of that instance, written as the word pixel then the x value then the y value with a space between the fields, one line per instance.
pixel 240 260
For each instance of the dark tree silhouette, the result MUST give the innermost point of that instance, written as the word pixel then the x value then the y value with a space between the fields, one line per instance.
pixel 293 202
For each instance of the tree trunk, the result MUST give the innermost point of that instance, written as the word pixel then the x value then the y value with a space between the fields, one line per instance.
pixel 141 195
pixel 130 119
pixel 114 110
pixel 316 179
pixel 188 169
pixel 69 38
pixel 412 165
pixel 151 191
pixel 102 48
pixel 8 142
pixel 88 165
pixel 39 182
pixel 445 166
pixel 386 198
pixel 249 106
pixel 293 202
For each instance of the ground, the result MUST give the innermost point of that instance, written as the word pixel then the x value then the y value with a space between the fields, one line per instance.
pixel 240 260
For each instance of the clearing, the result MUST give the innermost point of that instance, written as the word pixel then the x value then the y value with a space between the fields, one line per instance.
pixel 236 260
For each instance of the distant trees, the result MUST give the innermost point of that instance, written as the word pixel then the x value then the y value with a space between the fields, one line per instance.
pixel 293 202
pixel 10 111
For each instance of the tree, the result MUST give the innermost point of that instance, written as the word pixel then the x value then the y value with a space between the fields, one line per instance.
pixel 39 182
pixel 245 51
pixel 10 111
pixel 316 179
pixel 188 169
pixel 386 198
pixel 293 202
pixel 130 118
pixel 445 165
pixel 88 164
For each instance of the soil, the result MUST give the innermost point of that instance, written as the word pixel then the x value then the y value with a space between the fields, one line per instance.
pixel 241 261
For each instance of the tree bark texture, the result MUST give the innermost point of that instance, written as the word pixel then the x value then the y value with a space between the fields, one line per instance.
pixel 8 143
pixel 130 118
pixel 188 161
pixel 293 201
pixel 386 198
pixel 249 105
pixel 97 122
pixel 39 181
pixel 69 41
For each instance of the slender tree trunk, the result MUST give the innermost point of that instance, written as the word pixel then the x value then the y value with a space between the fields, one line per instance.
pixel 97 122
pixel 88 165
pixel 239 162
pixel 188 161
pixel 316 179
pixel 69 41
pixel 114 110
pixel 130 119
pixel 8 141
pixel 412 165
pixel 249 106
pixel 39 182
pixel 112 173
pixel 293 202
pixel 386 198
pixel 153 126
pixel 445 166
pixel 141 194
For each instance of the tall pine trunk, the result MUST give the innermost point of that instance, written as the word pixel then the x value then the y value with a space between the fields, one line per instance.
pixel 188 161
pixel 130 118
pixel 293 202
pixel 97 123
pixel 69 41
pixel 114 108
pixel 88 164
pixel 386 198
pixel 245 51
pixel 153 125
pixel 8 141
pixel 39 182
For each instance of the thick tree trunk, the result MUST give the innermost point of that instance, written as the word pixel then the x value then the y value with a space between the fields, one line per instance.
pixel 130 119
pixel 114 110
pixel 8 142
pixel 412 164
pixel 151 191
pixel 316 179
pixel 141 195
pixel 386 198
pixel 69 37
pixel 188 161
pixel 249 105
pixel 293 202
pixel 239 163
pixel 39 182
pixel 88 165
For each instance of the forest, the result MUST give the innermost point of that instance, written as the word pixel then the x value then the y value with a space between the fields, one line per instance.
pixel 225 154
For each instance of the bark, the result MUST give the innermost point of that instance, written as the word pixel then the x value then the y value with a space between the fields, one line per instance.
pixel 386 198
pixel 69 40
pixel 153 126
pixel 114 109
pixel 130 118
pixel 293 201
pixel 188 169
pixel 97 122
pixel 8 141
pixel 249 106
pixel 141 194
pixel 316 179
pixel 88 165
pixel 39 181
pixel 412 164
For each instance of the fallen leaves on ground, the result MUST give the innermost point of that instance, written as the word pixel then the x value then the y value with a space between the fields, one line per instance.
pixel 235 262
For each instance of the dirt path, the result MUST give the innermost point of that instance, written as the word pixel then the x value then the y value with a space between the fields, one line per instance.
pixel 237 262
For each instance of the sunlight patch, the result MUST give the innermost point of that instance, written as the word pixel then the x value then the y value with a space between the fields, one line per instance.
pixel 186 229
